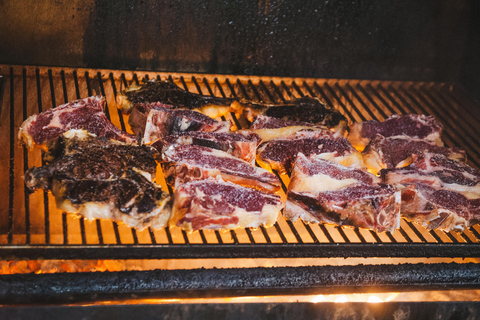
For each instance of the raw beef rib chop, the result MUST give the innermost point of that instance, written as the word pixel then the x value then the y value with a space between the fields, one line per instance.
pixel 327 192
pixel 214 204
pixel 241 144
pixel 279 154
pixel 86 114
pixel 416 126
pixel 185 163
pixel 106 179
pixel 269 128
pixel 160 122
pixel 397 151
pixel 438 192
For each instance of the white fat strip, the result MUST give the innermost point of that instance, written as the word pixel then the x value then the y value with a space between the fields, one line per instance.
pixel 199 194
pixel 219 153
pixel 321 183
pixel 184 125
pixel 470 192
pixel 78 133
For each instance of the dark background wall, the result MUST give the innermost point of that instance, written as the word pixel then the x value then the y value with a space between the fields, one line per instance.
pixel 376 39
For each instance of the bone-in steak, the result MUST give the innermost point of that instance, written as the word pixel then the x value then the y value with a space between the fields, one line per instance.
pixel 416 126
pixel 209 204
pixel 185 163
pixel 327 192
pixel 438 192
pixel 86 114
pixel 241 144
pixel 269 128
pixel 168 93
pixel 397 151
pixel 305 109
pixel 100 178
pixel 161 122
pixel 279 154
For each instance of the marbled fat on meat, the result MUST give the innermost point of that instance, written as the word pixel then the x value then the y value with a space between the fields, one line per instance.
pixel 438 192
pixel 163 122
pixel 214 204
pixel 417 126
pixel 269 128
pixel 394 152
pixel 323 191
pixel 86 114
pixel 242 144
pixel 279 154
pixel 185 163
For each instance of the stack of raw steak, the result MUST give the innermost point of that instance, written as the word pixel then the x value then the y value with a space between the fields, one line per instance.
pixel 438 188
pixel 381 171
pixel 324 191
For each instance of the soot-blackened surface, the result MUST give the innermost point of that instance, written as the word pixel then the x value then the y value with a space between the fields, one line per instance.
pixel 169 93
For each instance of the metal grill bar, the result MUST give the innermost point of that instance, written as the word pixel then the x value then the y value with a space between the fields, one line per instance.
pixel 357 100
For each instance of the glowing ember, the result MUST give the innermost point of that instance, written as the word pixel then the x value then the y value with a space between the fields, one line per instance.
pixel 341 299
pixel 374 299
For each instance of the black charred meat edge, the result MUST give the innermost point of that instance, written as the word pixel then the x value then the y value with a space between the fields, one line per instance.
pixel 169 93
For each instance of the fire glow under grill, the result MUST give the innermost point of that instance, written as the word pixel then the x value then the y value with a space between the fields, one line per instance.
pixel 32 227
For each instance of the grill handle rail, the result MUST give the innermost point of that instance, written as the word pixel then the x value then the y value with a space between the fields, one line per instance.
pixel 210 283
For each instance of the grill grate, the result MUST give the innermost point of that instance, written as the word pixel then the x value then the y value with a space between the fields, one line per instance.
pixel 32 227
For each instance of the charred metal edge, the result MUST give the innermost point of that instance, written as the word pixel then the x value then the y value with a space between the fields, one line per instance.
pixel 209 251
pixel 198 283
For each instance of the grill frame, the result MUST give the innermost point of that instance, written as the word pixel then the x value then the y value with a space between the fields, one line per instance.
pixel 356 99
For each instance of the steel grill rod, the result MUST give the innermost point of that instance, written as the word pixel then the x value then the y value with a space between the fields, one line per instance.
pixel 460 123
pixel 81 221
pixel 453 127
pixel 470 109
pixel 53 101
pixel 11 172
pixel 438 99
pixel 107 113
pixel 451 137
pixel 64 214
pixel 25 161
pixel 45 194
pixel 2 91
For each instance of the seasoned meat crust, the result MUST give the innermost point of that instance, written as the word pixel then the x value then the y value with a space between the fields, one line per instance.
pixel 101 178
pixel 169 94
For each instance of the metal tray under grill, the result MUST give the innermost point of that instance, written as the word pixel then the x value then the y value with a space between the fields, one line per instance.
pixel 31 227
